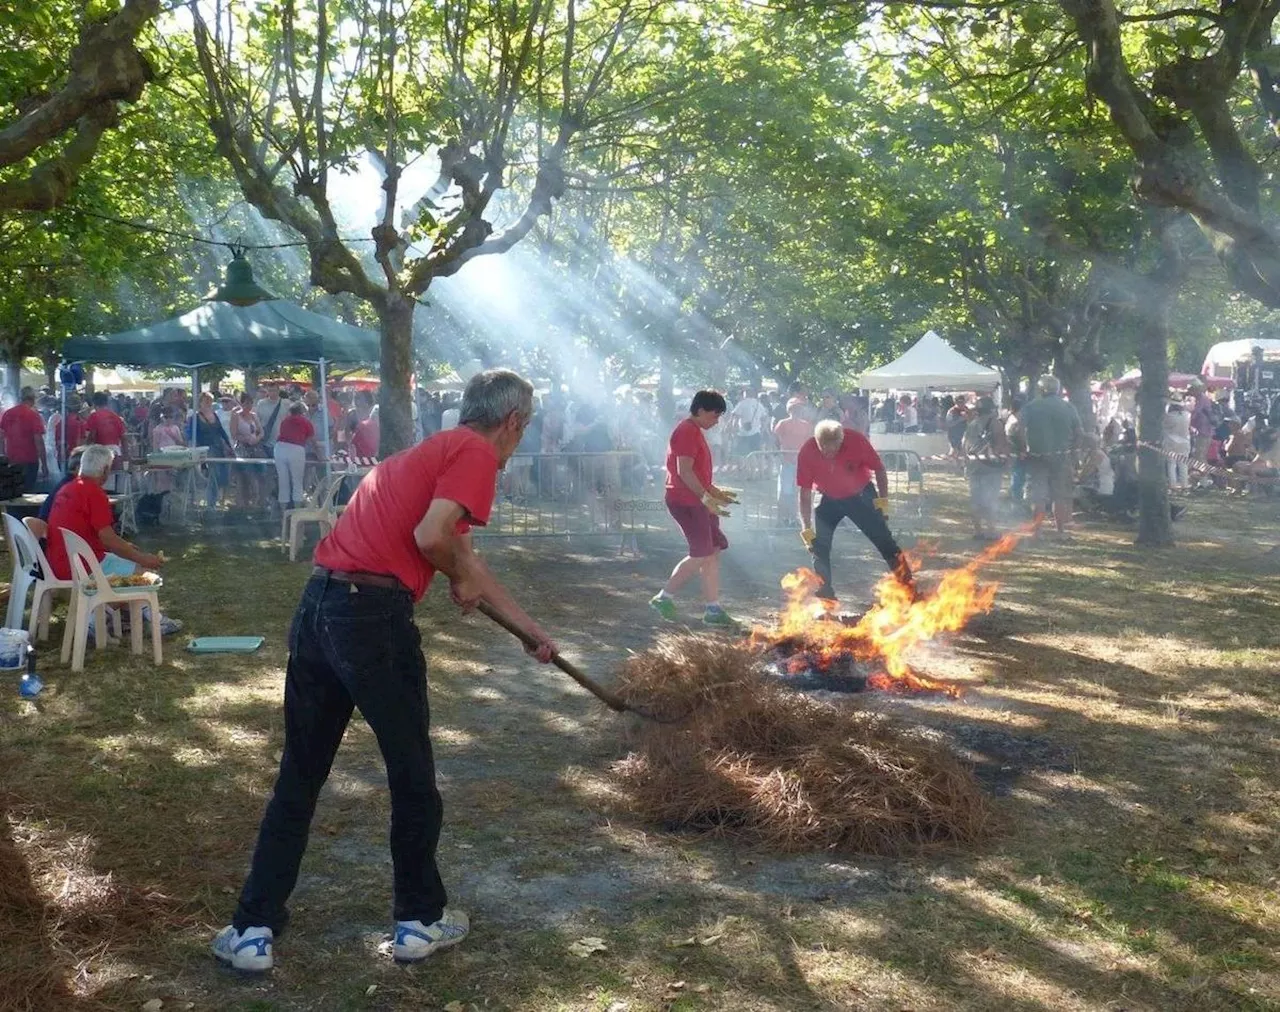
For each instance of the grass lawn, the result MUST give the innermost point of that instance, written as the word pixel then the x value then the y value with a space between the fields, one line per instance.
pixel 1122 708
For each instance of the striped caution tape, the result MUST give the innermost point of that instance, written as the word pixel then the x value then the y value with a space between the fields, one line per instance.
pixel 1211 469
pixel 341 457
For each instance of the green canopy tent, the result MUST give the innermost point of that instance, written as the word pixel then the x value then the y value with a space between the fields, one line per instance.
pixel 271 332
pixel 274 332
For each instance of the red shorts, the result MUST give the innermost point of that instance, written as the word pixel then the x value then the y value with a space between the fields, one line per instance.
pixel 701 529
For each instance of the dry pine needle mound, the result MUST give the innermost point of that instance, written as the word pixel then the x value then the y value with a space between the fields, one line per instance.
pixel 750 759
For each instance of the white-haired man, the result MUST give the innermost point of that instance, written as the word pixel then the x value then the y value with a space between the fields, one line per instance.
pixel 840 463
pixel 1050 435
pixel 81 506
pixel 353 644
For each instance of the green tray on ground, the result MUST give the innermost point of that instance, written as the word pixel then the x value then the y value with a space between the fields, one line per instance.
pixel 225 644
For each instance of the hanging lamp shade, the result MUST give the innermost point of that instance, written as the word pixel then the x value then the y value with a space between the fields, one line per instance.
pixel 238 287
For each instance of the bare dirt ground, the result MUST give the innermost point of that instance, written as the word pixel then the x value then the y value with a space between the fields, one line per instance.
pixel 1121 708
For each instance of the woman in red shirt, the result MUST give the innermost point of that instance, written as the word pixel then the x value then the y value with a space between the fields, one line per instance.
pixel 290 453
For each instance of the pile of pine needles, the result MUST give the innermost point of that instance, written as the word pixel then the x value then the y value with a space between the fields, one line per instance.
pixel 745 757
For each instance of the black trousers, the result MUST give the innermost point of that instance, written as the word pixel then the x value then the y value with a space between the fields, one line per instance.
pixel 351 647
pixel 861 510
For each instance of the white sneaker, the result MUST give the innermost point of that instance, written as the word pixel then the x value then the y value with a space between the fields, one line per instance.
pixel 249 950
pixel 416 941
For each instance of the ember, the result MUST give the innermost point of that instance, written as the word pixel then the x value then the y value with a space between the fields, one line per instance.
pixel 813 646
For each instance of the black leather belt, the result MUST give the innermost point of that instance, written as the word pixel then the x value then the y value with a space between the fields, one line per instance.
pixel 361 579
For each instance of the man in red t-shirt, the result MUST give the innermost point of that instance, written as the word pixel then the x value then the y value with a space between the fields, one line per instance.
pixel 23 430
pixel 83 508
pixel 697 506
pixel 353 644
pixel 75 429
pixel 365 439
pixel 839 463
pixel 104 426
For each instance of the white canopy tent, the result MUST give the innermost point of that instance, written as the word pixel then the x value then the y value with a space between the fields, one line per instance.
pixel 1223 356
pixel 933 364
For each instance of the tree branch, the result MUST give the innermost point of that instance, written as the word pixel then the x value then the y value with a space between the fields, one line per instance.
pixel 105 68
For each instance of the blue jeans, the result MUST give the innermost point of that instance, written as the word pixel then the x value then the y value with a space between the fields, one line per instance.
pixel 219 478
pixel 1017 480
pixel 351 646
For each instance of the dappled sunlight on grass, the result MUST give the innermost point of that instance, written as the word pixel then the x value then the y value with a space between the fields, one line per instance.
pixel 1123 702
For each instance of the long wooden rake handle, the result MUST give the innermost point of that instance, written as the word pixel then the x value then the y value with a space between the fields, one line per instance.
pixel 610 699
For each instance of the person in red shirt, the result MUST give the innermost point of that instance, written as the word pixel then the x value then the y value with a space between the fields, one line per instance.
pixel 353 644
pixel 75 426
pixel 104 426
pixel 83 508
pixel 23 430
pixel 697 506
pixel 367 435
pixel 839 463
pixel 290 453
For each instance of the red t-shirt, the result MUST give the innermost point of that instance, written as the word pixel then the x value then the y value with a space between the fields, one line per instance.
pixel 82 508
pixel 22 427
pixel 687 440
pixel 105 427
pixel 75 431
pixel 364 442
pixel 296 429
pixel 375 532
pixel 843 475
pixel 792 433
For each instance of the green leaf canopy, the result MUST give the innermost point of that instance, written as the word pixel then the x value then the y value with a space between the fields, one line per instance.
pixel 274 332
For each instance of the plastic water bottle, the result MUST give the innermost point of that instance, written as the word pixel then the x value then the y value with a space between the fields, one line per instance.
pixel 31 684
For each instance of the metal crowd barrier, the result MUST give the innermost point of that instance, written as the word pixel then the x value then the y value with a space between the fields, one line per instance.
pixel 620 495
pixel 570 494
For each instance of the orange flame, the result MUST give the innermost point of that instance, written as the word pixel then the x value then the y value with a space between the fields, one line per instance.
pixel 895 624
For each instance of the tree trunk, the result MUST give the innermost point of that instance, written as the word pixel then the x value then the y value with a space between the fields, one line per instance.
pixel 1076 378
pixel 1155 528
pixel 395 415
pixel 51 360
pixel 12 383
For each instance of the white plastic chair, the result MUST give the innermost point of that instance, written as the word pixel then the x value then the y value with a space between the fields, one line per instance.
pixel 31 569
pixel 325 513
pixel 91 595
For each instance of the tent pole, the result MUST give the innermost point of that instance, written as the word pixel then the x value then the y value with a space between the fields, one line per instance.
pixel 62 428
pixel 324 417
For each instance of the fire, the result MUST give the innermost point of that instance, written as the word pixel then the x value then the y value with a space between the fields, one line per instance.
pixel 894 625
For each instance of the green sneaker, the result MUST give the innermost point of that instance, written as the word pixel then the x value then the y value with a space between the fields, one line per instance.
pixel 665 607
pixel 720 618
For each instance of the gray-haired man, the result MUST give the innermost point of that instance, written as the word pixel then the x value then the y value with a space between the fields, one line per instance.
pixel 353 644
pixel 1050 434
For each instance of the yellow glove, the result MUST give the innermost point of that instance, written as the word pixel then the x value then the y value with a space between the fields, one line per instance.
pixel 725 495
pixel 882 505
pixel 807 535
pixel 714 505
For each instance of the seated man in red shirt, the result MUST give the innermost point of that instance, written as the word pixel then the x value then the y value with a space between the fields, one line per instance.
pixel 83 508
pixel 697 506
pixel 353 644
pixel 839 462
pixel 23 430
